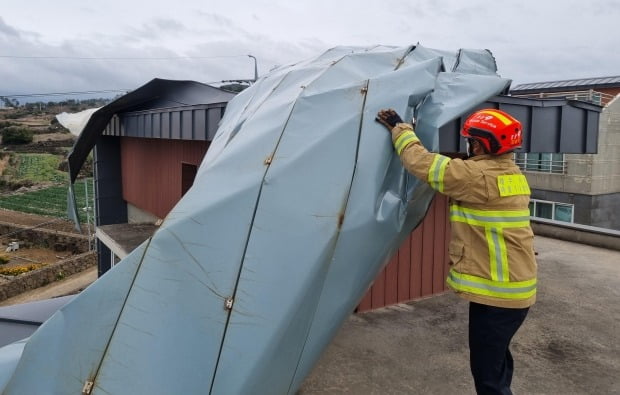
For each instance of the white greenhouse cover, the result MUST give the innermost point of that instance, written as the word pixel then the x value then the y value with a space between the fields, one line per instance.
pixel 75 122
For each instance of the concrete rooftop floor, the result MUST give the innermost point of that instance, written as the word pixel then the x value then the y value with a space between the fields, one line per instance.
pixel 569 343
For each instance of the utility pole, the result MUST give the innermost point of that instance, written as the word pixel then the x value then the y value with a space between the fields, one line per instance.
pixel 255 67
pixel 248 81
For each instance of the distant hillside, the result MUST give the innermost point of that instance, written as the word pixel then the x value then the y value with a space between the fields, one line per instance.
pixel 10 109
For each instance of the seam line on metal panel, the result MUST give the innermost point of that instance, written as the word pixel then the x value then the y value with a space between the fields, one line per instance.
pixel 247 239
pixel 344 208
pixel 93 378
pixel 400 62
pixel 267 166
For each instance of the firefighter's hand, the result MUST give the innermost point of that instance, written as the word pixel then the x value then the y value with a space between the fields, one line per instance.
pixel 388 118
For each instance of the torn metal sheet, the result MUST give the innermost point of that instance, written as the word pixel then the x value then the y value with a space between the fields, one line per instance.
pixel 298 204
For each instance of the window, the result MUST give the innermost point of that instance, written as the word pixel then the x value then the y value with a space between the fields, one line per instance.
pixel 543 162
pixel 552 210
pixel 543 210
pixel 563 212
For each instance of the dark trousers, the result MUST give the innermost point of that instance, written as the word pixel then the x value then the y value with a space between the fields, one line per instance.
pixel 490 331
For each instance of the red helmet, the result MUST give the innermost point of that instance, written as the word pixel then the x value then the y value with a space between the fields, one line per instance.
pixel 497 131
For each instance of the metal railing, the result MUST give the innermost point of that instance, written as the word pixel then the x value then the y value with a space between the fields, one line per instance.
pixel 590 96
pixel 542 163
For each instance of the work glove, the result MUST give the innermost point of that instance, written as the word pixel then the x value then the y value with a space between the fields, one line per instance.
pixel 389 118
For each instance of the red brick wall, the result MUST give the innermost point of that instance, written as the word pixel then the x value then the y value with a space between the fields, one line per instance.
pixel 152 168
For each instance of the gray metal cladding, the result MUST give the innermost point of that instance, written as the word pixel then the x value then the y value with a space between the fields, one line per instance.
pixel 549 125
pixel 197 122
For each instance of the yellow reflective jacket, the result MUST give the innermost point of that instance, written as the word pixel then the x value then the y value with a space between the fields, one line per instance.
pixel 491 247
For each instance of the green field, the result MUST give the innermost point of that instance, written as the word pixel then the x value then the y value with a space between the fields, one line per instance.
pixel 35 168
pixel 51 201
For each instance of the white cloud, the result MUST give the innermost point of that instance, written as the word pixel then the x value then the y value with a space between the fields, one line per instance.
pixel 532 40
pixel 7 31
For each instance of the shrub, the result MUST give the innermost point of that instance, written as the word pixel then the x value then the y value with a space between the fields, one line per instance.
pixel 16 135
pixel 4 260
pixel 17 270
pixel 15 114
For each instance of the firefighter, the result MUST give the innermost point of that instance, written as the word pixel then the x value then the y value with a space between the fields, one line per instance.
pixel 491 248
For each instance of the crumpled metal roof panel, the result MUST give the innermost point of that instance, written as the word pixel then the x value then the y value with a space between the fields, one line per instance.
pixel 298 204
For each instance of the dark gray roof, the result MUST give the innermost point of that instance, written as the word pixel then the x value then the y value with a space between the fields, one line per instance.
pixel 156 94
pixel 20 321
pixel 583 83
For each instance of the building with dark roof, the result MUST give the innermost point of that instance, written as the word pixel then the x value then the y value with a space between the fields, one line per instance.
pixel 147 147
pixel 584 189
pixel 594 90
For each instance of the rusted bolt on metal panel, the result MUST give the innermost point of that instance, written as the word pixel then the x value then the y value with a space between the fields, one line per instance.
pixel 88 387
pixel 340 220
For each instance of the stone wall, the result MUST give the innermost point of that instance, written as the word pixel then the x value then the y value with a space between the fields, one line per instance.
pixel 15 285
pixel 56 240
pixel 46 238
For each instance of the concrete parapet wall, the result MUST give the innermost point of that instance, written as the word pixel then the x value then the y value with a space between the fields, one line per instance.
pixel 45 275
pixel 589 235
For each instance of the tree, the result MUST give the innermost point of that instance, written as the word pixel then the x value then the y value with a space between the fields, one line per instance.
pixel 6 101
pixel 16 135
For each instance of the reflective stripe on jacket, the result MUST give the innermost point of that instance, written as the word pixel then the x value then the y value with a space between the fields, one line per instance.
pixel 491 248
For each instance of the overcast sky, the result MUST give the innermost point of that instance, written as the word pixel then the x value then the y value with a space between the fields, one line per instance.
pixel 532 40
